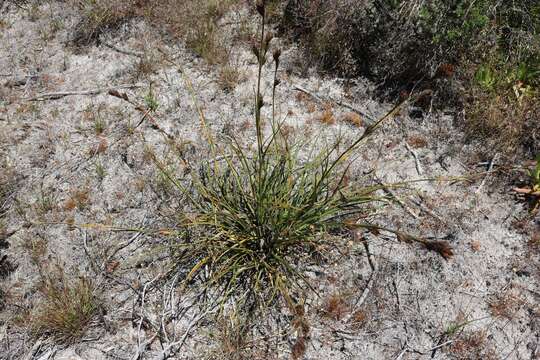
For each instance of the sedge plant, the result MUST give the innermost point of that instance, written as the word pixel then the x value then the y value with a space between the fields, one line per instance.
pixel 260 215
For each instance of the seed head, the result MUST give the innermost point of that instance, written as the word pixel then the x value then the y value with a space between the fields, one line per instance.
pixel 260 7
pixel 255 51
pixel 277 55
pixel 440 247
pixel 269 36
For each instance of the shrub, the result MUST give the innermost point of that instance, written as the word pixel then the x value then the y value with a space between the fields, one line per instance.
pixel 261 216
pixel 492 48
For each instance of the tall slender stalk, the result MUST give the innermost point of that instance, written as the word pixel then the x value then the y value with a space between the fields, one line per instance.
pixel 261 52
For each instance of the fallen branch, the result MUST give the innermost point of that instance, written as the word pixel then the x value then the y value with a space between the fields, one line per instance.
pixel 307 92
pixel 59 95
pixel 440 247
pixel 439 346
pixel 527 191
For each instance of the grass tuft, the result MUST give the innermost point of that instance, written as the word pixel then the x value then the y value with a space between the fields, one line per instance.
pixel 67 309
pixel 229 77
pixel 99 16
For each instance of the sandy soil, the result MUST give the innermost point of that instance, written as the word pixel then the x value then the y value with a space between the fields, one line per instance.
pixel 80 165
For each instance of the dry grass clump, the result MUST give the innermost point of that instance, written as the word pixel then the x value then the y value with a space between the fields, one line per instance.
pixel 66 310
pixel 229 77
pixel 196 22
pixel 506 305
pixel 145 66
pixel 335 307
pixel 327 116
pixel 79 199
pixel 302 329
pixel 352 118
pixel 100 16
pixel 505 113
pixel 232 339
pixel 472 345
pixel 7 186
pixel 534 241
pixel 531 190
pixel 417 142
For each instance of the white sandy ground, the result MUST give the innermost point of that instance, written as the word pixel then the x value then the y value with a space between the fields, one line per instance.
pixel 416 298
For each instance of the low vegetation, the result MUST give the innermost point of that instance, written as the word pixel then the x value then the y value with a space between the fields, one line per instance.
pixel 261 216
pixel 264 220
pixel 480 56
pixel 67 308
pixel 98 17
pixel 532 190
pixel 193 21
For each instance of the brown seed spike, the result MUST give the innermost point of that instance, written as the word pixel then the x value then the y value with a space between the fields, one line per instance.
pixel 277 55
pixel 269 36
pixel 440 247
pixel 118 94
pixel 255 51
pixel 260 7
pixel 299 348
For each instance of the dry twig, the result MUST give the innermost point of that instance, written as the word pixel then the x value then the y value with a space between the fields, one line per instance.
pixel 490 168
pixel 416 161
pixel 122 51
pixel 61 94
